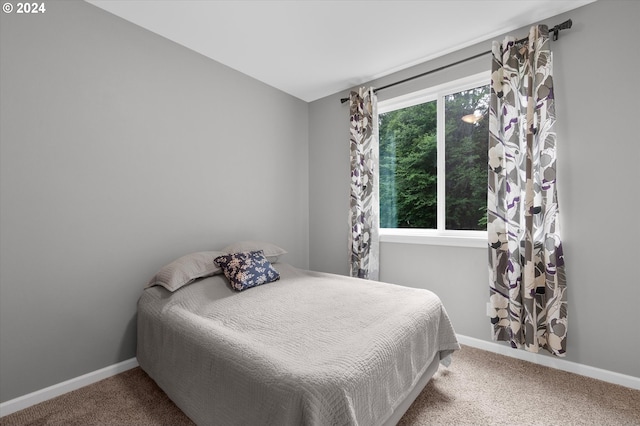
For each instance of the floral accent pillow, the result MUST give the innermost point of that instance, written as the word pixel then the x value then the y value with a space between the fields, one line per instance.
pixel 247 269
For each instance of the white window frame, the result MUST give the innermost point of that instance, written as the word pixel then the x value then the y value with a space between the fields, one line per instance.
pixel 440 235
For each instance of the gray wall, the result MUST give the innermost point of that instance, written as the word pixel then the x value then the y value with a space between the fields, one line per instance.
pixel 121 151
pixel 595 69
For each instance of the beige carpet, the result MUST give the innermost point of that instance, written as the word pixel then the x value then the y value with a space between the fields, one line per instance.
pixel 479 388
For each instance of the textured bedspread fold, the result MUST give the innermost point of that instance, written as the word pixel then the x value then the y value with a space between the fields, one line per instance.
pixel 310 349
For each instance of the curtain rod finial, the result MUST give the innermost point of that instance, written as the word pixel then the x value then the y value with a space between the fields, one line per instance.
pixel 564 26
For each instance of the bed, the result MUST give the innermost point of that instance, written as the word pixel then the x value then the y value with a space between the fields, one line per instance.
pixel 307 348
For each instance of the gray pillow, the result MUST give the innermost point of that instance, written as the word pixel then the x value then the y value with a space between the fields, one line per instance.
pixel 271 251
pixel 186 269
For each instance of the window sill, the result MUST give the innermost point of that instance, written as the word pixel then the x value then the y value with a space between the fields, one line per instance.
pixel 476 239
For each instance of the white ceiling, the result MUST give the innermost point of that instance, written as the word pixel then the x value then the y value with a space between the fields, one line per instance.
pixel 315 48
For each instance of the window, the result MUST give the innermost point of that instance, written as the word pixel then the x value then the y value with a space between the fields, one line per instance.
pixel 433 165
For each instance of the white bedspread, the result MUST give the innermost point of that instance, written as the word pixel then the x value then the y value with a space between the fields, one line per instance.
pixel 309 349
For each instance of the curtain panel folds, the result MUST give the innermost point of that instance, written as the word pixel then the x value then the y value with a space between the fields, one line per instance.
pixel 526 263
pixel 364 208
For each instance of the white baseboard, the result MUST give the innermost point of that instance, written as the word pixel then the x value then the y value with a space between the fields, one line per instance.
pixel 42 395
pixel 557 363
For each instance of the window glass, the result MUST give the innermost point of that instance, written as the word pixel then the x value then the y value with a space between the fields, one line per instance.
pixel 433 165
pixel 466 159
pixel 408 167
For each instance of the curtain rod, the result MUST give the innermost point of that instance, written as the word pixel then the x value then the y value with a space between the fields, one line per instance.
pixel 555 30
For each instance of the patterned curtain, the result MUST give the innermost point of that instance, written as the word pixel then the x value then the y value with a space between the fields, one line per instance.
pixel 526 263
pixel 364 208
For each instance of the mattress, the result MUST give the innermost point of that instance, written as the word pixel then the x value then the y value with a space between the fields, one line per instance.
pixel 309 349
